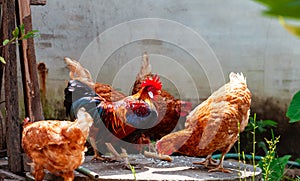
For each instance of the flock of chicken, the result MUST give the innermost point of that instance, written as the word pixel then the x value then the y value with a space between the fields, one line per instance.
pixel 102 114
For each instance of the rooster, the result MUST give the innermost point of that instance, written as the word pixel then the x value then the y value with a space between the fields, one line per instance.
pixel 114 120
pixel 170 109
pixel 57 146
pixel 213 125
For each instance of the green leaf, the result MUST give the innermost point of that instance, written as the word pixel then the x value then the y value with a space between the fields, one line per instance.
pixel 15 33
pixel 5 42
pixel 293 112
pixel 34 31
pixel 266 123
pixel 286 8
pixel 278 165
pixel 2 60
pixel 297 160
pixel 22 28
pixel 293 29
pixel 31 34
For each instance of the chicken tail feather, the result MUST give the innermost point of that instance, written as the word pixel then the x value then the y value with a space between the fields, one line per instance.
pixel 237 78
pixel 145 67
pixel 77 94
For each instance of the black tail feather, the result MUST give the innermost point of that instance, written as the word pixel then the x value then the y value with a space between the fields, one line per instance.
pixel 73 92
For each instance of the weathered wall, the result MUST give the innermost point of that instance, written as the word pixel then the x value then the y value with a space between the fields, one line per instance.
pixel 193 44
pixel 237 34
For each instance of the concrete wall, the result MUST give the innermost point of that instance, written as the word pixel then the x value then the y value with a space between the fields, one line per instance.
pixel 192 44
pixel 189 43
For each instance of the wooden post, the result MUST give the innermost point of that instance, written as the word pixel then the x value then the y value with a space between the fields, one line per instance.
pixel 13 138
pixel 32 99
pixel 33 2
pixel 2 121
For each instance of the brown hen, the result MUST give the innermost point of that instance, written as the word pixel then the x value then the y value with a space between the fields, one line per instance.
pixel 213 125
pixel 57 146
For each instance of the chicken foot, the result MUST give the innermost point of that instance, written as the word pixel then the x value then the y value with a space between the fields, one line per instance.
pixel 157 156
pixel 207 162
pixel 219 167
pixel 97 155
pixel 119 157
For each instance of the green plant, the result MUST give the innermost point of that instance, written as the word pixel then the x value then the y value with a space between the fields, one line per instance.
pixel 287 8
pixel 271 165
pixel 132 171
pixel 260 126
pixel 284 9
pixel 18 35
pixel 293 112
pixel 254 125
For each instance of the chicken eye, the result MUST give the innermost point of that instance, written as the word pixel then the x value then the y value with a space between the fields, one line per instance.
pixel 150 94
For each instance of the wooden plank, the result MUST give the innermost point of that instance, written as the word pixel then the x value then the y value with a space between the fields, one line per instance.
pixel 13 137
pixel 11 175
pixel 34 2
pixel 2 134
pixel 38 2
pixel 2 120
pixel 32 99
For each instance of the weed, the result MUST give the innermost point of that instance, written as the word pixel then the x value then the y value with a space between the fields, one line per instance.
pixel 132 171
pixel 254 126
pixel 272 166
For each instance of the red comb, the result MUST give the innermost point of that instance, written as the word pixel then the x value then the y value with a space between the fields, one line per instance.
pixel 153 81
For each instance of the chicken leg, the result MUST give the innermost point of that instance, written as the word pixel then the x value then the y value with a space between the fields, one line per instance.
pixel 96 156
pixel 219 167
pixel 68 176
pixel 38 172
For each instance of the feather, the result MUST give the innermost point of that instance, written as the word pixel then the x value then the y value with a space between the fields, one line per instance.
pixel 145 67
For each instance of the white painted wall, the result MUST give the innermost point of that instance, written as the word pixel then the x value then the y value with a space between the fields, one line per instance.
pixel 193 44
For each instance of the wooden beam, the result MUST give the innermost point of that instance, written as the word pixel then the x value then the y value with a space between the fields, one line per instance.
pixel 13 137
pixel 2 120
pixel 32 99
pixel 38 2
pixel 34 2
pixel 11 175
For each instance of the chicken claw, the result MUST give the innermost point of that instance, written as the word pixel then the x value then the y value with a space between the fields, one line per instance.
pixel 158 156
pixel 97 156
pixel 220 168
pixel 207 162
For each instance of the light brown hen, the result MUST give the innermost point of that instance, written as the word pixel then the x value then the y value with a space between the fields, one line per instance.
pixel 213 125
pixel 57 146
